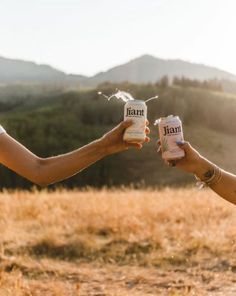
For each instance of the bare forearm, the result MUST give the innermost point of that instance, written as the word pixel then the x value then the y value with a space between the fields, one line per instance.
pixel 44 171
pixel 61 167
pixel 226 187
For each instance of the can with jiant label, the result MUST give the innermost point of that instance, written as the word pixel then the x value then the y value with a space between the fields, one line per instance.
pixel 170 132
pixel 137 111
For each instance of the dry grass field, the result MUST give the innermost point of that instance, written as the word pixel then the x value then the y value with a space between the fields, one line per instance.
pixel 174 242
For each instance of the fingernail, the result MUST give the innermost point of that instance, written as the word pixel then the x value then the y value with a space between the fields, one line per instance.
pixel 180 143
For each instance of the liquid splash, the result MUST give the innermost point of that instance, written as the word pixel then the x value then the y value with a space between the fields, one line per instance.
pixel 120 95
pixel 124 96
pixel 152 98
pixel 156 122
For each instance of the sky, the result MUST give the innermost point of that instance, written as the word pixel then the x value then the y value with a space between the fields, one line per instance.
pixel 89 36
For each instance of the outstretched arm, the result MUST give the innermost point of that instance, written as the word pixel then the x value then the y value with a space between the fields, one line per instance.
pixel 194 163
pixel 44 171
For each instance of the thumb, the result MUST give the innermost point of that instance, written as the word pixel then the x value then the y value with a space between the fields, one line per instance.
pixel 124 124
pixel 184 145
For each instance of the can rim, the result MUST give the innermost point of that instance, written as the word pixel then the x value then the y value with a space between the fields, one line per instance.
pixel 169 117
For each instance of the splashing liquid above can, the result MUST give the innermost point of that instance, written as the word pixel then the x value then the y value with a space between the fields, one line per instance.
pixel 120 95
pixel 124 96
pixel 135 110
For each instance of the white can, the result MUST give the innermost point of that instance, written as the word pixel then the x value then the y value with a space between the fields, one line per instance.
pixel 137 111
pixel 170 132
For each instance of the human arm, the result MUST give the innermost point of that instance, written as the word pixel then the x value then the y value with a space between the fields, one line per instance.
pixel 44 171
pixel 196 164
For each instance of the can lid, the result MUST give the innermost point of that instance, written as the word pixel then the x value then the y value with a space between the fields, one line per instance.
pixel 169 117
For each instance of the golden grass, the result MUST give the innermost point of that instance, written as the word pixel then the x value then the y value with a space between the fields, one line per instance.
pixel 173 242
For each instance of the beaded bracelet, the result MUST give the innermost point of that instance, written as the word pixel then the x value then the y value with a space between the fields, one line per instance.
pixel 213 180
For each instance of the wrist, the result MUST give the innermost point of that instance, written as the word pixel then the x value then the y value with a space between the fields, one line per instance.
pixel 103 147
pixel 203 169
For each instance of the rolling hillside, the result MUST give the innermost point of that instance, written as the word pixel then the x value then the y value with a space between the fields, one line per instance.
pixel 25 72
pixel 148 69
pixel 144 69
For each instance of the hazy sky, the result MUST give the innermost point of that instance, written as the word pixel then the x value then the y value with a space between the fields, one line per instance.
pixel 88 36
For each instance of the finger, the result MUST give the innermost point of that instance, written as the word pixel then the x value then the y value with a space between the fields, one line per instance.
pixel 147 122
pixel 147 130
pixel 173 163
pixel 158 143
pixel 184 145
pixel 147 139
pixel 167 162
pixel 170 163
pixel 139 146
pixel 124 124
pixel 134 145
